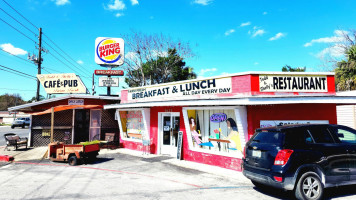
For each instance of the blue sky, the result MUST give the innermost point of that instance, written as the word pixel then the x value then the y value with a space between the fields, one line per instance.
pixel 228 36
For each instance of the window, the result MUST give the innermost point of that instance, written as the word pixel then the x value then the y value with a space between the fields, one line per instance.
pixel 214 130
pixel 320 134
pixel 132 124
pixel 295 137
pixel 346 136
pixel 268 137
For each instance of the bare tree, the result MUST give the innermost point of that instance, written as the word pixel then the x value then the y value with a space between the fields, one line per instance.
pixel 341 44
pixel 145 48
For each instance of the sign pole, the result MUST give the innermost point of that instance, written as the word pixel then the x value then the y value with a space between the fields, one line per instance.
pixel 52 123
pixel 109 88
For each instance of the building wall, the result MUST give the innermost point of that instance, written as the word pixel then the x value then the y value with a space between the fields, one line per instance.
pixel 346 115
pixel 254 115
pixel 187 154
pixel 289 112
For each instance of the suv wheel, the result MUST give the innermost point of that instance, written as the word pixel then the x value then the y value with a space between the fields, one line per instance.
pixel 309 187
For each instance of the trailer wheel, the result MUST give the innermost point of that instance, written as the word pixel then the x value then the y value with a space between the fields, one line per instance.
pixel 72 161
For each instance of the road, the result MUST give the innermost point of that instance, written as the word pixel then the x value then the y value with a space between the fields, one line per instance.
pixel 122 176
pixel 22 132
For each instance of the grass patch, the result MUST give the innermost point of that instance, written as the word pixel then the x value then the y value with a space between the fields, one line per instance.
pixel 5 124
pixel 89 143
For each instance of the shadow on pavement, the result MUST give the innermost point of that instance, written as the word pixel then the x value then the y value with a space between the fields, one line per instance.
pixel 329 193
pixel 342 191
pixel 275 192
pixel 101 160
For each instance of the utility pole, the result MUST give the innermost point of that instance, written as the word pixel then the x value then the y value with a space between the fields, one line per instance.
pixel 93 86
pixel 39 63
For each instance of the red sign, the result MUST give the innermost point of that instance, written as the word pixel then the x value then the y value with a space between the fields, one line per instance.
pixel 109 72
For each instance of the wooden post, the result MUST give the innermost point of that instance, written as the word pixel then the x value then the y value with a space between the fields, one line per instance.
pixel 52 123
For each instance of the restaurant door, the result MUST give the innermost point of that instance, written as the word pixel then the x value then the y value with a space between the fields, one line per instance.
pixel 169 127
pixel 81 125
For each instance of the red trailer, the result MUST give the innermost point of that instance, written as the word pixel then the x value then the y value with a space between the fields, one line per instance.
pixel 73 153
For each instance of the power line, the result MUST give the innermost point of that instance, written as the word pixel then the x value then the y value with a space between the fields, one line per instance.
pixel 64 63
pixel 8 68
pixel 65 58
pixel 47 68
pixel 18 22
pixel 16 73
pixel 18 57
pixel 16 89
pixel 20 14
pixel 46 42
pixel 18 31
pixel 62 50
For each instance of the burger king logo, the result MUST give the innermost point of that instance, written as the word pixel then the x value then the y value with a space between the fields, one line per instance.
pixel 109 51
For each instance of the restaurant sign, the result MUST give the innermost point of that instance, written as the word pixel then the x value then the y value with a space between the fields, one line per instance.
pixel 184 89
pixel 62 83
pixel 293 83
pixel 75 101
pixel 109 51
pixel 108 82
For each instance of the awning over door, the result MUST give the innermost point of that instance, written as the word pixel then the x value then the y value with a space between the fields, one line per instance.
pixel 67 107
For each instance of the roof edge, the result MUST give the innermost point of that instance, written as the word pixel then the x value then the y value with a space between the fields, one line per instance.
pixel 61 98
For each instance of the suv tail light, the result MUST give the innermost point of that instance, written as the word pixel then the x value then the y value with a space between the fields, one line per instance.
pixel 244 152
pixel 283 157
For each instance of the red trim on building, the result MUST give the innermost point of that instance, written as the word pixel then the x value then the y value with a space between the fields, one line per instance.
pixel 289 112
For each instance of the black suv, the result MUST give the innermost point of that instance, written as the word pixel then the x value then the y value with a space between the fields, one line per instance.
pixel 303 158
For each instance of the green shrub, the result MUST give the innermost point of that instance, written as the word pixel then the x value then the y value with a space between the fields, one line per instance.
pixel 89 143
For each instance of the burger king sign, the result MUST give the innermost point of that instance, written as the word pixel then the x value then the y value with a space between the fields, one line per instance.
pixel 109 51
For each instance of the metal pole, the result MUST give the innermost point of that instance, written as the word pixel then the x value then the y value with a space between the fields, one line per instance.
pixel 93 86
pixel 109 91
pixel 39 61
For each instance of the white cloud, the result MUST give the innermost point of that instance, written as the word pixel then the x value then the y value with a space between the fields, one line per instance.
pixel 338 37
pixel 277 36
pixel 134 2
pixel 334 51
pixel 256 63
pixel 264 13
pixel 245 24
pixel 116 5
pixel 61 2
pixel 80 62
pixel 206 72
pixel 257 32
pixel 13 50
pixel 227 33
pixel 203 2
pixel 119 14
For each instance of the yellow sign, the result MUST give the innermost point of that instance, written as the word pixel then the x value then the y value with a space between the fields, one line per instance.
pixel 62 83
pixel 46 132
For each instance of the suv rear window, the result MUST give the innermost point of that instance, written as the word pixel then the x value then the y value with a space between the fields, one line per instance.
pixel 268 137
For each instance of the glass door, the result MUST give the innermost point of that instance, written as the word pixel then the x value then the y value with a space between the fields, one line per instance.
pixel 169 134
